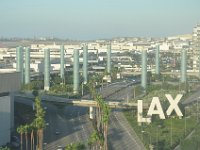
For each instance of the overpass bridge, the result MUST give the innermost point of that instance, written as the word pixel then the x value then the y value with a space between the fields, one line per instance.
pixel 81 102
pixel 174 72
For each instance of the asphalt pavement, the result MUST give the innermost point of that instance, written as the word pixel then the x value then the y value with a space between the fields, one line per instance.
pixel 68 124
pixel 64 124
pixel 71 124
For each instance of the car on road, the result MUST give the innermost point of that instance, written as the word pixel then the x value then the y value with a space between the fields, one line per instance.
pixel 60 148
pixel 57 132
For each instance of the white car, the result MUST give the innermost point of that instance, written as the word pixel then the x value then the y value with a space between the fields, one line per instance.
pixel 57 132
pixel 60 148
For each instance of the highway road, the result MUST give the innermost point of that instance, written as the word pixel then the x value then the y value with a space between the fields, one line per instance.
pixel 65 124
pixel 194 98
pixel 70 124
pixel 121 135
pixel 116 91
pixel 123 95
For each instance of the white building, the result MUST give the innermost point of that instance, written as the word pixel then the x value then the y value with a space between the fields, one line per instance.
pixel 164 46
pixel 195 47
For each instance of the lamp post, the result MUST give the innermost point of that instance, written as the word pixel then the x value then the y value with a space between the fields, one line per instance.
pixel 171 133
pixel 198 109
pixel 82 89
pixel 185 121
pixel 149 137
pixel 159 126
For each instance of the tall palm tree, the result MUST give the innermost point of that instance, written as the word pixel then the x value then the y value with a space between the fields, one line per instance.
pixel 20 130
pixel 32 128
pixel 40 125
pixel 106 112
pixel 101 119
pixel 26 130
pixel 94 139
pixel 39 122
pixel 98 99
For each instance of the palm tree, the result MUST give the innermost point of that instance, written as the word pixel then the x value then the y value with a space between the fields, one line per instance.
pixel 20 130
pixel 101 119
pixel 106 112
pixel 26 130
pixel 94 139
pixel 40 125
pixel 39 122
pixel 98 99
pixel 32 128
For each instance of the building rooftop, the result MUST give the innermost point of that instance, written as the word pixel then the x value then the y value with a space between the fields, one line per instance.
pixel 10 70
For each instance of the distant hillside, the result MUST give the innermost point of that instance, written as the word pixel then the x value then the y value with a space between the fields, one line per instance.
pixel 183 36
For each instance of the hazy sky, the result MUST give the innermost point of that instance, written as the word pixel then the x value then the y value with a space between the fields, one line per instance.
pixel 93 19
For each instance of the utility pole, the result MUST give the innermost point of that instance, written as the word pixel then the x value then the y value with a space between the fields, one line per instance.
pixel 171 133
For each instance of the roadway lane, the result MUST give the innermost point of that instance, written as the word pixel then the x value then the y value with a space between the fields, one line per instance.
pixel 123 95
pixel 195 97
pixel 121 135
pixel 65 124
pixel 113 89
pixel 73 124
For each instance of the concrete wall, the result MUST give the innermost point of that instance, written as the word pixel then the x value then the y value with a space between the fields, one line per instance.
pixel 9 81
pixel 5 117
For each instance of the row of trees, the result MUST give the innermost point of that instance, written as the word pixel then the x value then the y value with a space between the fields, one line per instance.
pixel 34 130
pixel 98 139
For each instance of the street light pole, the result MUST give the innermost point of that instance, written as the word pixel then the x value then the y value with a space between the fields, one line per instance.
pixel 171 133
pixel 156 138
pixel 159 126
pixel 82 89
pixel 185 122
pixel 102 84
pixel 198 110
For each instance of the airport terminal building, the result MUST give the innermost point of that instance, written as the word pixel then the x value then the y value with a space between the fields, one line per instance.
pixel 9 83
